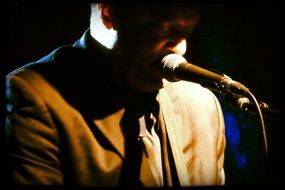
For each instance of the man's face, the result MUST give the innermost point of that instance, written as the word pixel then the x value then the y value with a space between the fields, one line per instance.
pixel 146 37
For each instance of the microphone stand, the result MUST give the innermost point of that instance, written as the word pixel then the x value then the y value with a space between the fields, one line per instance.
pixel 244 104
pixel 241 102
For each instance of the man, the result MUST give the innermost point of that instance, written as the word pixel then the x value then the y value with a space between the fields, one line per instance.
pixel 99 113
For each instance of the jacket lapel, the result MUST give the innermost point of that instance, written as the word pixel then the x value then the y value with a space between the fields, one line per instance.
pixel 147 177
pixel 172 122
pixel 111 129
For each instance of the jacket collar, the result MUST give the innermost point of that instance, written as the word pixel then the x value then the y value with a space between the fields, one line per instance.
pixel 88 43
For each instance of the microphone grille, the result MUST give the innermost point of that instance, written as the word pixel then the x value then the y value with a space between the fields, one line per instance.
pixel 169 63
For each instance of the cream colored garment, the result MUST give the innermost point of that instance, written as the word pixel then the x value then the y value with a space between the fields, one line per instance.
pixel 152 148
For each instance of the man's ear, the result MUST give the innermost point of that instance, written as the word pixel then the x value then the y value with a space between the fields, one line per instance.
pixel 106 15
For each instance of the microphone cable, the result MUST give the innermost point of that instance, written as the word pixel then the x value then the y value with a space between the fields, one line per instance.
pixel 261 121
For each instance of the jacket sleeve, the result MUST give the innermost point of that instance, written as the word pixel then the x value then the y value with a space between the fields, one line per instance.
pixel 31 137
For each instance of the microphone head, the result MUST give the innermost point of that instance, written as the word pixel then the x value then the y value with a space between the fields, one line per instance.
pixel 169 63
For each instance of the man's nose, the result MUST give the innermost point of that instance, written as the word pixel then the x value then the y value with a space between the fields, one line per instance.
pixel 177 46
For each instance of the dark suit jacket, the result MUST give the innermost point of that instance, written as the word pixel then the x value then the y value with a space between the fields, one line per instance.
pixel 65 124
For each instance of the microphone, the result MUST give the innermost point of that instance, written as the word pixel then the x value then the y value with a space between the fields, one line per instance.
pixel 175 67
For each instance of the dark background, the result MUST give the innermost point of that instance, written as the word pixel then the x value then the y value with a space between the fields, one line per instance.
pixel 241 40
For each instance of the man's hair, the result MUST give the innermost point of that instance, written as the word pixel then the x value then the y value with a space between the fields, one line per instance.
pixel 125 12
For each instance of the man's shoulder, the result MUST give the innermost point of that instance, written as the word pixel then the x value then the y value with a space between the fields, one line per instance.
pixel 188 89
pixel 62 61
pixel 60 53
pixel 190 94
